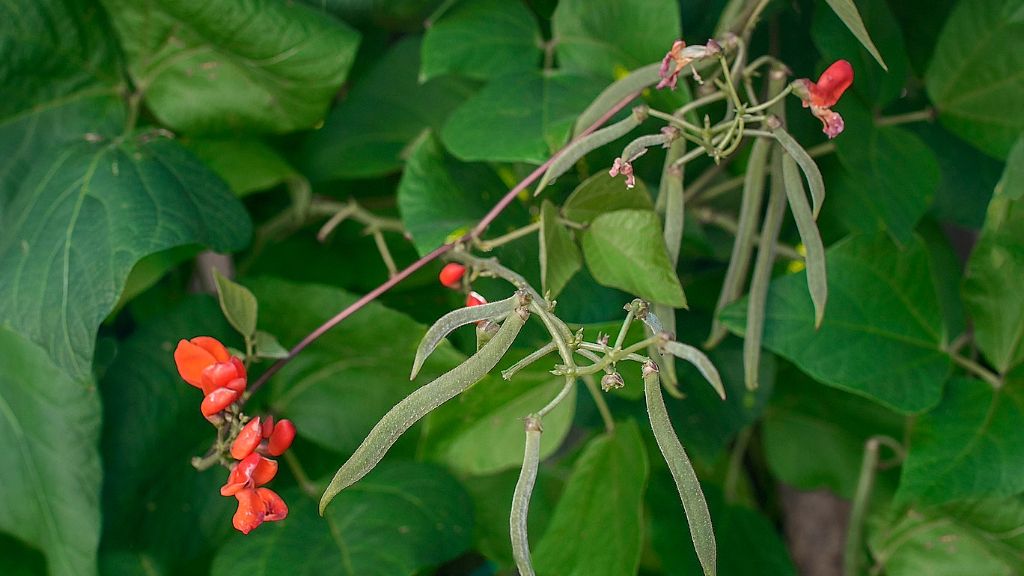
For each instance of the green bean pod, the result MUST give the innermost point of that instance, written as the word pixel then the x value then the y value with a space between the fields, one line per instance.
pixel 636 80
pixel 817 280
pixel 700 361
pixel 580 148
pixel 687 485
pixel 810 169
pixel 420 403
pixel 517 520
pixel 455 319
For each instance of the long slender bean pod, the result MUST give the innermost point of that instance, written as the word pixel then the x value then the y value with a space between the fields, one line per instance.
pixel 580 148
pixel 455 319
pixel 517 520
pixel 817 278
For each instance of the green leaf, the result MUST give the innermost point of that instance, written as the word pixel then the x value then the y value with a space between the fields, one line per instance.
pixel 967 446
pixel 482 39
pixel 606 37
pixel 602 193
pixel 238 304
pixel 519 117
pixel 247 164
pixel 981 537
pixel 975 77
pixel 61 80
pixel 596 528
pixel 1011 185
pixel 400 519
pixel 805 417
pixel 882 336
pixel 227 65
pixel 439 196
pixel 748 543
pixel 481 431
pixel 991 286
pixel 49 463
pixel 889 180
pixel 371 131
pixel 847 12
pixel 968 177
pixel 267 346
pixel 339 387
pixel 875 85
pixel 625 249
pixel 157 509
pixel 559 255
pixel 84 216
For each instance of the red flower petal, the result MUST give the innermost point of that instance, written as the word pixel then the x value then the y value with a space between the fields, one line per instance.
pixel 281 439
pixel 217 375
pixel 191 360
pixel 274 507
pixel 218 400
pixel 248 439
pixel 251 511
pixel 268 427
pixel 265 471
pixel 452 274
pixel 241 475
pixel 831 84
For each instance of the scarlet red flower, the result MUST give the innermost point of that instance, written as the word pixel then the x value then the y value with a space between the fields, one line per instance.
pixel 282 437
pixel 248 439
pixel 820 96
pixel 256 506
pixel 252 472
pixel 216 401
pixel 452 274
pixel 194 356
pixel 229 374
pixel 474 299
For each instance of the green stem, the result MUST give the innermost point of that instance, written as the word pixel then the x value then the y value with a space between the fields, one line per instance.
pixel 853 554
pixel 307 486
pixel 385 254
pixel 732 475
pixel 489 245
pixel 926 115
pixel 978 370
pixel 570 382
pixel 602 406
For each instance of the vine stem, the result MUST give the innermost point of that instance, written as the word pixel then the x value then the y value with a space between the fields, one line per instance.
pixel 473 234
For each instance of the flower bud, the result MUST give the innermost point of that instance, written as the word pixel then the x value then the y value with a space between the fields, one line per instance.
pixel 248 439
pixel 451 275
pixel 282 437
pixel 612 381
pixel 475 299
pixel 218 400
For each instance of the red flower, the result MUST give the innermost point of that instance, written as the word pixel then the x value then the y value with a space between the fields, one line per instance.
pixel 452 274
pixel 230 374
pixel 250 439
pixel 820 96
pixel 256 506
pixel 474 299
pixel 252 472
pixel 194 356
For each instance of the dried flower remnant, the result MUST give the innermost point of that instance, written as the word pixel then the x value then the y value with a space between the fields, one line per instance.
pixel 623 167
pixel 681 56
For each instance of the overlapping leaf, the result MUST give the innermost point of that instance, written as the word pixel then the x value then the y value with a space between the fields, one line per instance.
pixel 84 216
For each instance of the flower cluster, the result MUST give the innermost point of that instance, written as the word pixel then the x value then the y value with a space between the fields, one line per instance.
pixel 206 364
pixel 452 276
pixel 820 96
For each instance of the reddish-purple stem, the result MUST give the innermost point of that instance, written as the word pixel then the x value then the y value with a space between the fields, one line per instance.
pixel 476 232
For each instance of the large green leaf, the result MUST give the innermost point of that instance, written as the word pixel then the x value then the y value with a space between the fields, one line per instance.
pixel 481 431
pixel 439 197
pixel 369 133
pixel 889 180
pixel 625 249
pixel 976 77
pixel 606 37
pixel 832 38
pixel 60 80
pixel 882 337
pixel 223 65
pixel 747 541
pixel 981 537
pixel 603 193
pixel 482 39
pixel 338 388
pixel 560 257
pixel 49 462
pixel 84 216
pixel 968 176
pixel 596 529
pixel 247 164
pixel 805 417
pixel 992 285
pixel 152 428
pixel 400 519
pixel 968 447
pixel 520 117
